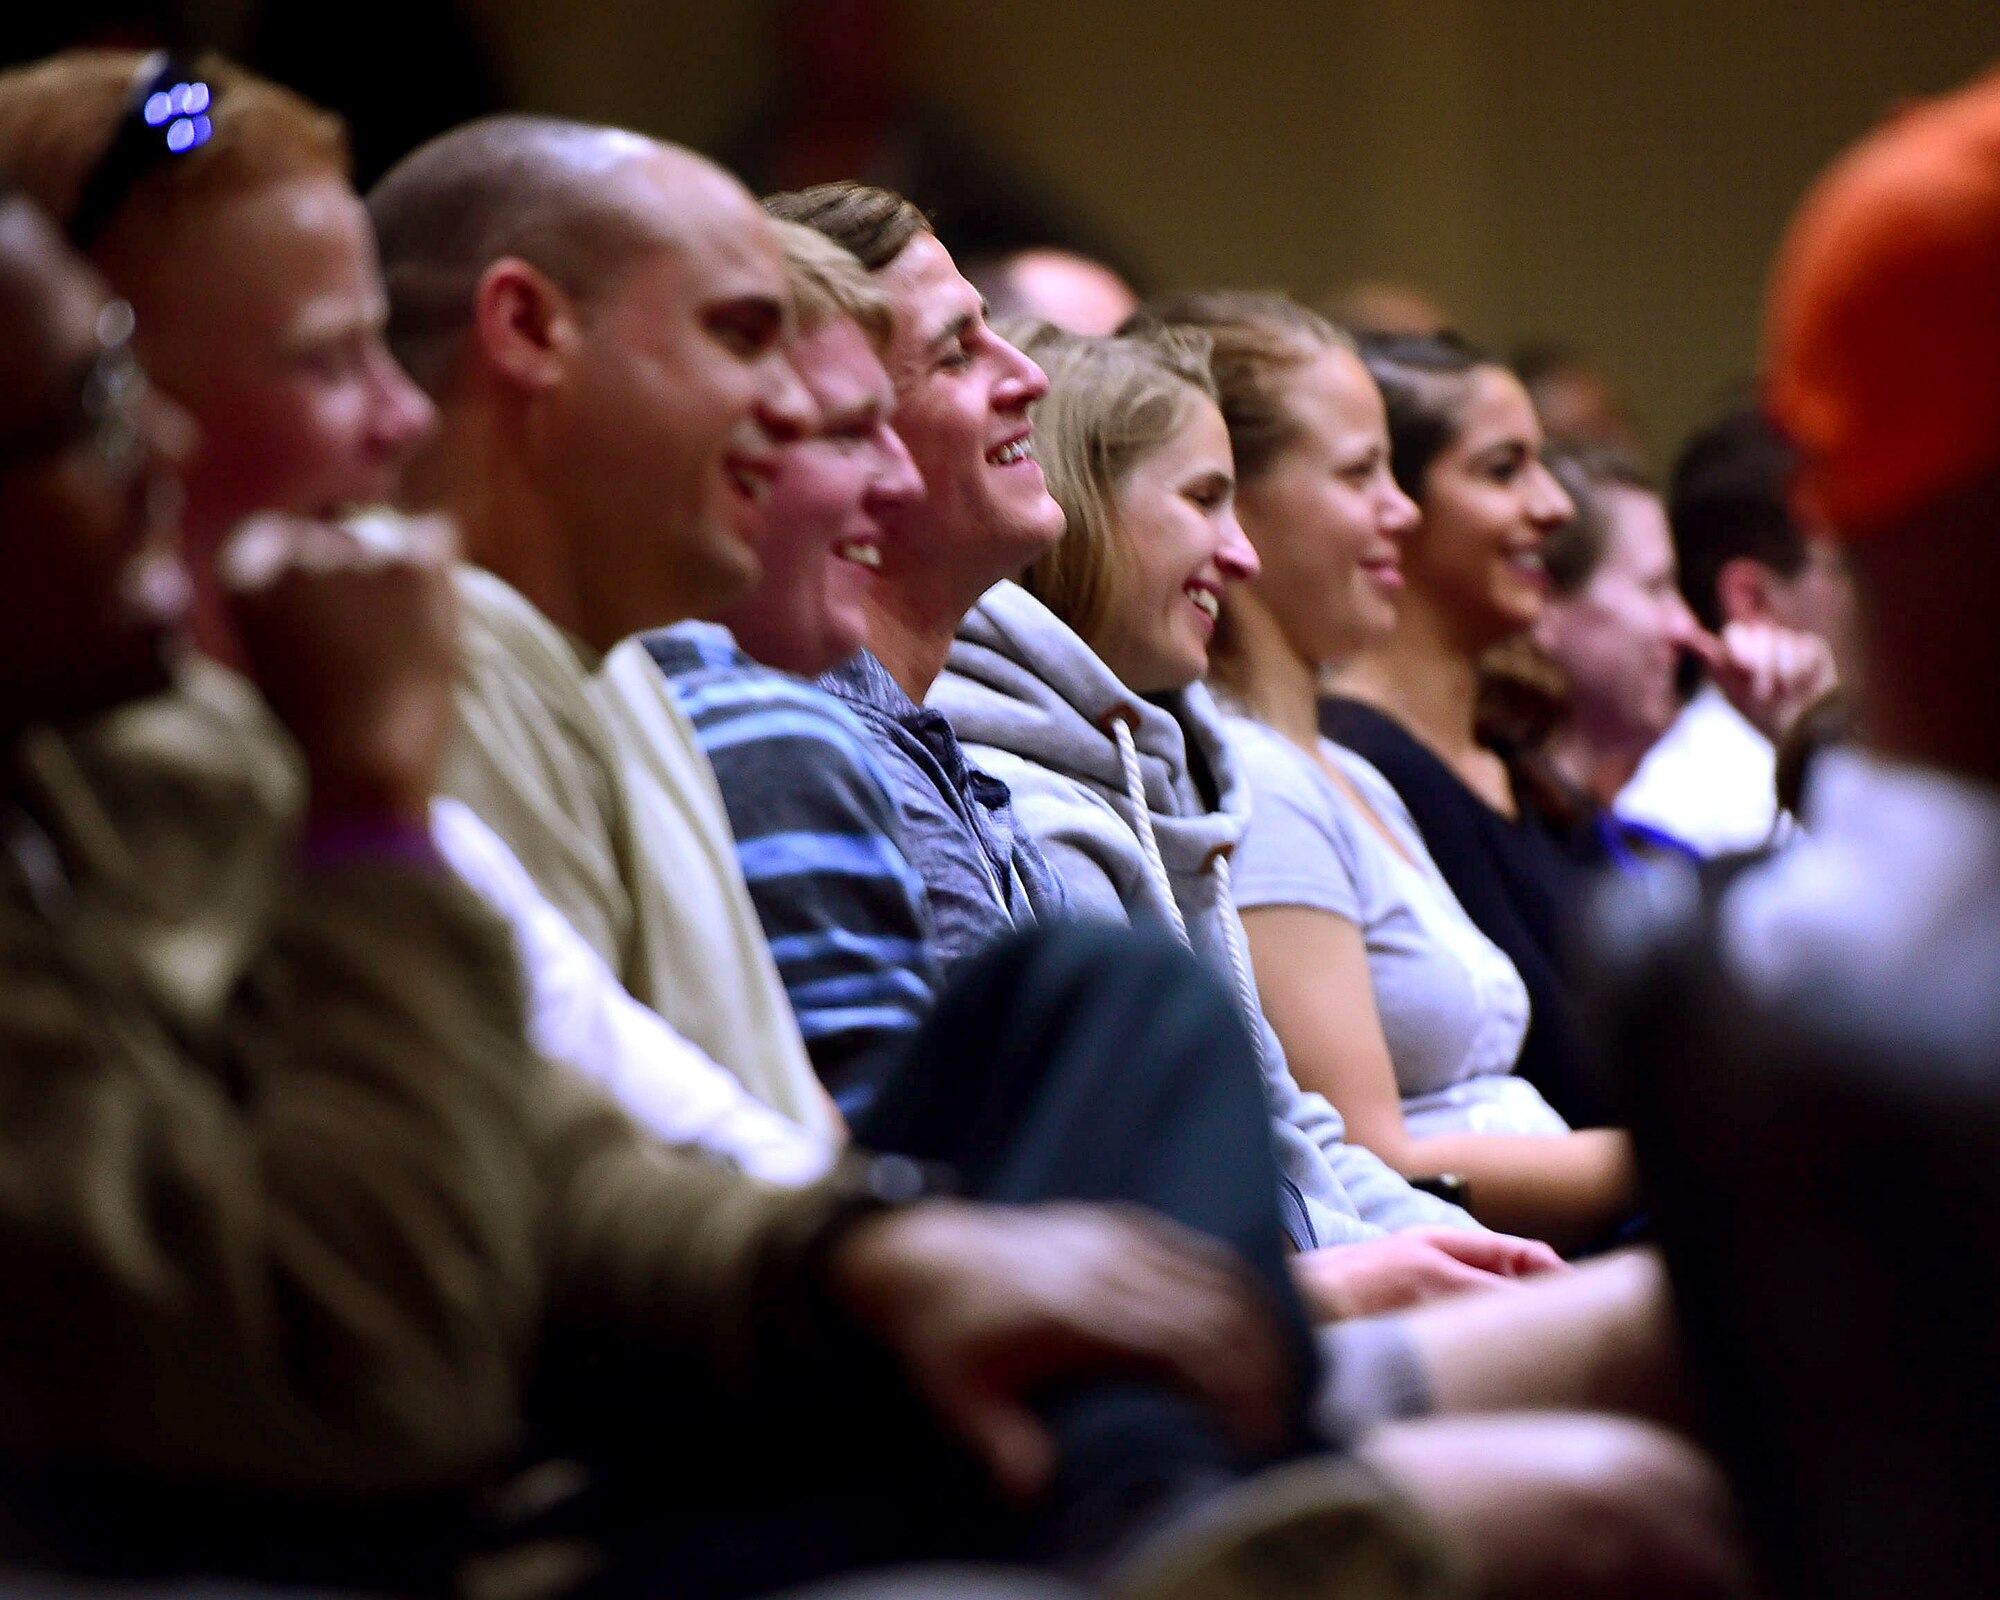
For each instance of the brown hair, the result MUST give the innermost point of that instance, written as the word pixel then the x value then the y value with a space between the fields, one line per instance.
pixel 827 284
pixel 1425 380
pixel 1111 403
pixel 1257 338
pixel 58 118
pixel 1574 551
pixel 873 225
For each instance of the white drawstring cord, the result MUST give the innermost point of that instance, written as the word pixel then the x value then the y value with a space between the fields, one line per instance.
pixel 1156 871
pixel 1239 958
pixel 1142 821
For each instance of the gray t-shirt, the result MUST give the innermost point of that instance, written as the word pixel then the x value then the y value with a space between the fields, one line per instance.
pixel 1453 1009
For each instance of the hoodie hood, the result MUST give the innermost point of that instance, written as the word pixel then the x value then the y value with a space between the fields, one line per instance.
pixel 1020 681
pixel 1033 703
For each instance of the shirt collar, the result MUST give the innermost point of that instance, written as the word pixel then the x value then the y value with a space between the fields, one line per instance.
pixel 690 647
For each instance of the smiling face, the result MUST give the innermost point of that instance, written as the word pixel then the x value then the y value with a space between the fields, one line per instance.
pixel 1326 516
pixel 823 532
pixel 676 397
pixel 1176 547
pixel 1618 639
pixel 262 313
pixel 962 405
pixel 1489 504
pixel 89 489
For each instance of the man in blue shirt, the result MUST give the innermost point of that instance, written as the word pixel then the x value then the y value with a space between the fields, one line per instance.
pixel 843 908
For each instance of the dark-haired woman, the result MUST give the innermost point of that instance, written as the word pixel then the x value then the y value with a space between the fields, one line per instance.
pixel 1465 445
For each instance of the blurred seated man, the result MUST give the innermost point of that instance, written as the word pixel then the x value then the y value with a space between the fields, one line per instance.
pixel 1748 568
pixel 262 309
pixel 1616 628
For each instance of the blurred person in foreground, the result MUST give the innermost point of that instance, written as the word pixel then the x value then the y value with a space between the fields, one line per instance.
pixel 1754 568
pixel 1840 996
pixel 274 342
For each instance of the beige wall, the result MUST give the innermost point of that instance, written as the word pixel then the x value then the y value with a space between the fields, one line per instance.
pixel 1592 170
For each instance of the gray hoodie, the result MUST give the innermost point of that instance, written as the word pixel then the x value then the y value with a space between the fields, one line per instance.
pixel 1036 708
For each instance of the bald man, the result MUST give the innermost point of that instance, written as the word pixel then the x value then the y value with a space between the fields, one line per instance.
pixel 601 320
pixel 1058 286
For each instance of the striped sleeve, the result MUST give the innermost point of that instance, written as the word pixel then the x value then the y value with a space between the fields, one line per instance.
pixel 823 856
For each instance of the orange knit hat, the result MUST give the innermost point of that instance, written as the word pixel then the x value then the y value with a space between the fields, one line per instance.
pixel 1882 342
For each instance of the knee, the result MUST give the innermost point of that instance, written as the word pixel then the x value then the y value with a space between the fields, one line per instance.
pixel 1584 1505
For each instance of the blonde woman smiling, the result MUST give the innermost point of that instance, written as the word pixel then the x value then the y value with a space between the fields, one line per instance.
pixel 1387 998
pixel 1079 688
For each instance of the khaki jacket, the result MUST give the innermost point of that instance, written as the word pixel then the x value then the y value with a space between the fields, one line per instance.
pixel 286 1204
pixel 594 780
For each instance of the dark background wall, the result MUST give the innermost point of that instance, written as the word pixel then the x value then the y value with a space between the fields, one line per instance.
pixel 1610 175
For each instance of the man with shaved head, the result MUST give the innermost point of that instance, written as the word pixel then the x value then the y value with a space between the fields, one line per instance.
pixel 601 319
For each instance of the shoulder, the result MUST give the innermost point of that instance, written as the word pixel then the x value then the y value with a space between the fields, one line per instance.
pixel 1080 837
pixel 1302 847
pixel 801 748
pixel 496 617
pixel 1051 804
pixel 206 757
pixel 1274 767
pixel 1287 790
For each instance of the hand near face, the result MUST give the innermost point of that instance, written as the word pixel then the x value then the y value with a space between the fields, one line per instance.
pixel 1413 1267
pixel 1768 673
pixel 352 633
pixel 987 1307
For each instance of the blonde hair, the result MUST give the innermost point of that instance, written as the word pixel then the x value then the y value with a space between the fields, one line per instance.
pixel 58 118
pixel 1258 339
pixel 1111 403
pixel 827 283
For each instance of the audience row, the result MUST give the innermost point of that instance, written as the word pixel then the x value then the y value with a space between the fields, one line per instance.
pixel 631 827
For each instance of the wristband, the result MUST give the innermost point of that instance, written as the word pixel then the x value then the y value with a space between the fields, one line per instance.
pixel 368 839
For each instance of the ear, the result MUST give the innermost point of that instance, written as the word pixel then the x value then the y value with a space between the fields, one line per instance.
pixel 523 324
pixel 1743 590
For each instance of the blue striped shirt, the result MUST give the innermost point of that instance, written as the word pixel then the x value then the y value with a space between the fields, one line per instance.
pixel 821 849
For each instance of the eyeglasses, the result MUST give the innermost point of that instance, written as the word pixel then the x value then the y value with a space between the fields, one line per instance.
pixel 167 116
pixel 106 411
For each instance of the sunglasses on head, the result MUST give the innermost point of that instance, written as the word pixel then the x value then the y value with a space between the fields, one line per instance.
pixel 167 116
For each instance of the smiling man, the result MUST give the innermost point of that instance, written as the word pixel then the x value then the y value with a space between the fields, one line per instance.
pixel 962 400
pixel 817 834
pixel 602 320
